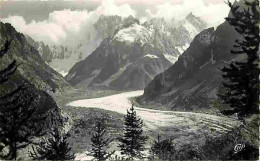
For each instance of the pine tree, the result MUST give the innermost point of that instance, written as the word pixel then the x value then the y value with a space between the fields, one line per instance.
pixel 162 149
pixel 54 148
pixel 132 142
pixel 99 143
pixel 19 121
pixel 241 82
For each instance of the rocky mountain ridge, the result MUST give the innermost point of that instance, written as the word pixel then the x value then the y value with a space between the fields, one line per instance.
pixel 130 58
pixel 194 80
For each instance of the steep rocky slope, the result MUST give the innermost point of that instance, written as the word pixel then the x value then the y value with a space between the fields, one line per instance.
pixel 193 81
pixel 45 103
pixel 31 66
pixel 41 101
pixel 131 57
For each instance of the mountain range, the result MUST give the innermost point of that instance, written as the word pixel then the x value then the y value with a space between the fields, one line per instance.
pixel 132 55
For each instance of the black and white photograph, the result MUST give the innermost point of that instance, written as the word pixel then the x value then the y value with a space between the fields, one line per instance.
pixel 114 80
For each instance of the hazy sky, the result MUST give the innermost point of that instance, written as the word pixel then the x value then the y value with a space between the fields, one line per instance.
pixel 55 21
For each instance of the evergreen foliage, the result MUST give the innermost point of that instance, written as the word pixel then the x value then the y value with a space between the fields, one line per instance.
pixel 19 122
pixel 55 147
pixel 162 150
pixel 100 143
pixel 132 142
pixel 241 79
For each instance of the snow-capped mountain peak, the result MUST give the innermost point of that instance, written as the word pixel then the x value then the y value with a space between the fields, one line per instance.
pixel 133 33
pixel 136 51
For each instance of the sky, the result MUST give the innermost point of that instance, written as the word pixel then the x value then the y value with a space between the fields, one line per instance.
pixel 63 22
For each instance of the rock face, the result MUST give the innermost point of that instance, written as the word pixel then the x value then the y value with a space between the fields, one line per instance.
pixel 193 81
pixel 61 58
pixel 131 57
pixel 31 66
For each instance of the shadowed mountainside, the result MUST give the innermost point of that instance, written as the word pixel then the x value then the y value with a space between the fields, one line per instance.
pixel 194 80
pixel 31 66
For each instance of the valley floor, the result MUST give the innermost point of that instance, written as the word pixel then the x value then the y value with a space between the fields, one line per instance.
pixel 155 119
pixel 186 128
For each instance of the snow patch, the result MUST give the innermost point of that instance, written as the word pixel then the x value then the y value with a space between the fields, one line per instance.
pixel 62 72
pixel 151 56
pixel 191 29
pixel 133 33
pixel 181 49
pixel 171 58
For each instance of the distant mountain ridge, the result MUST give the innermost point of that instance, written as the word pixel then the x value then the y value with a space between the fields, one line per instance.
pixel 131 57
